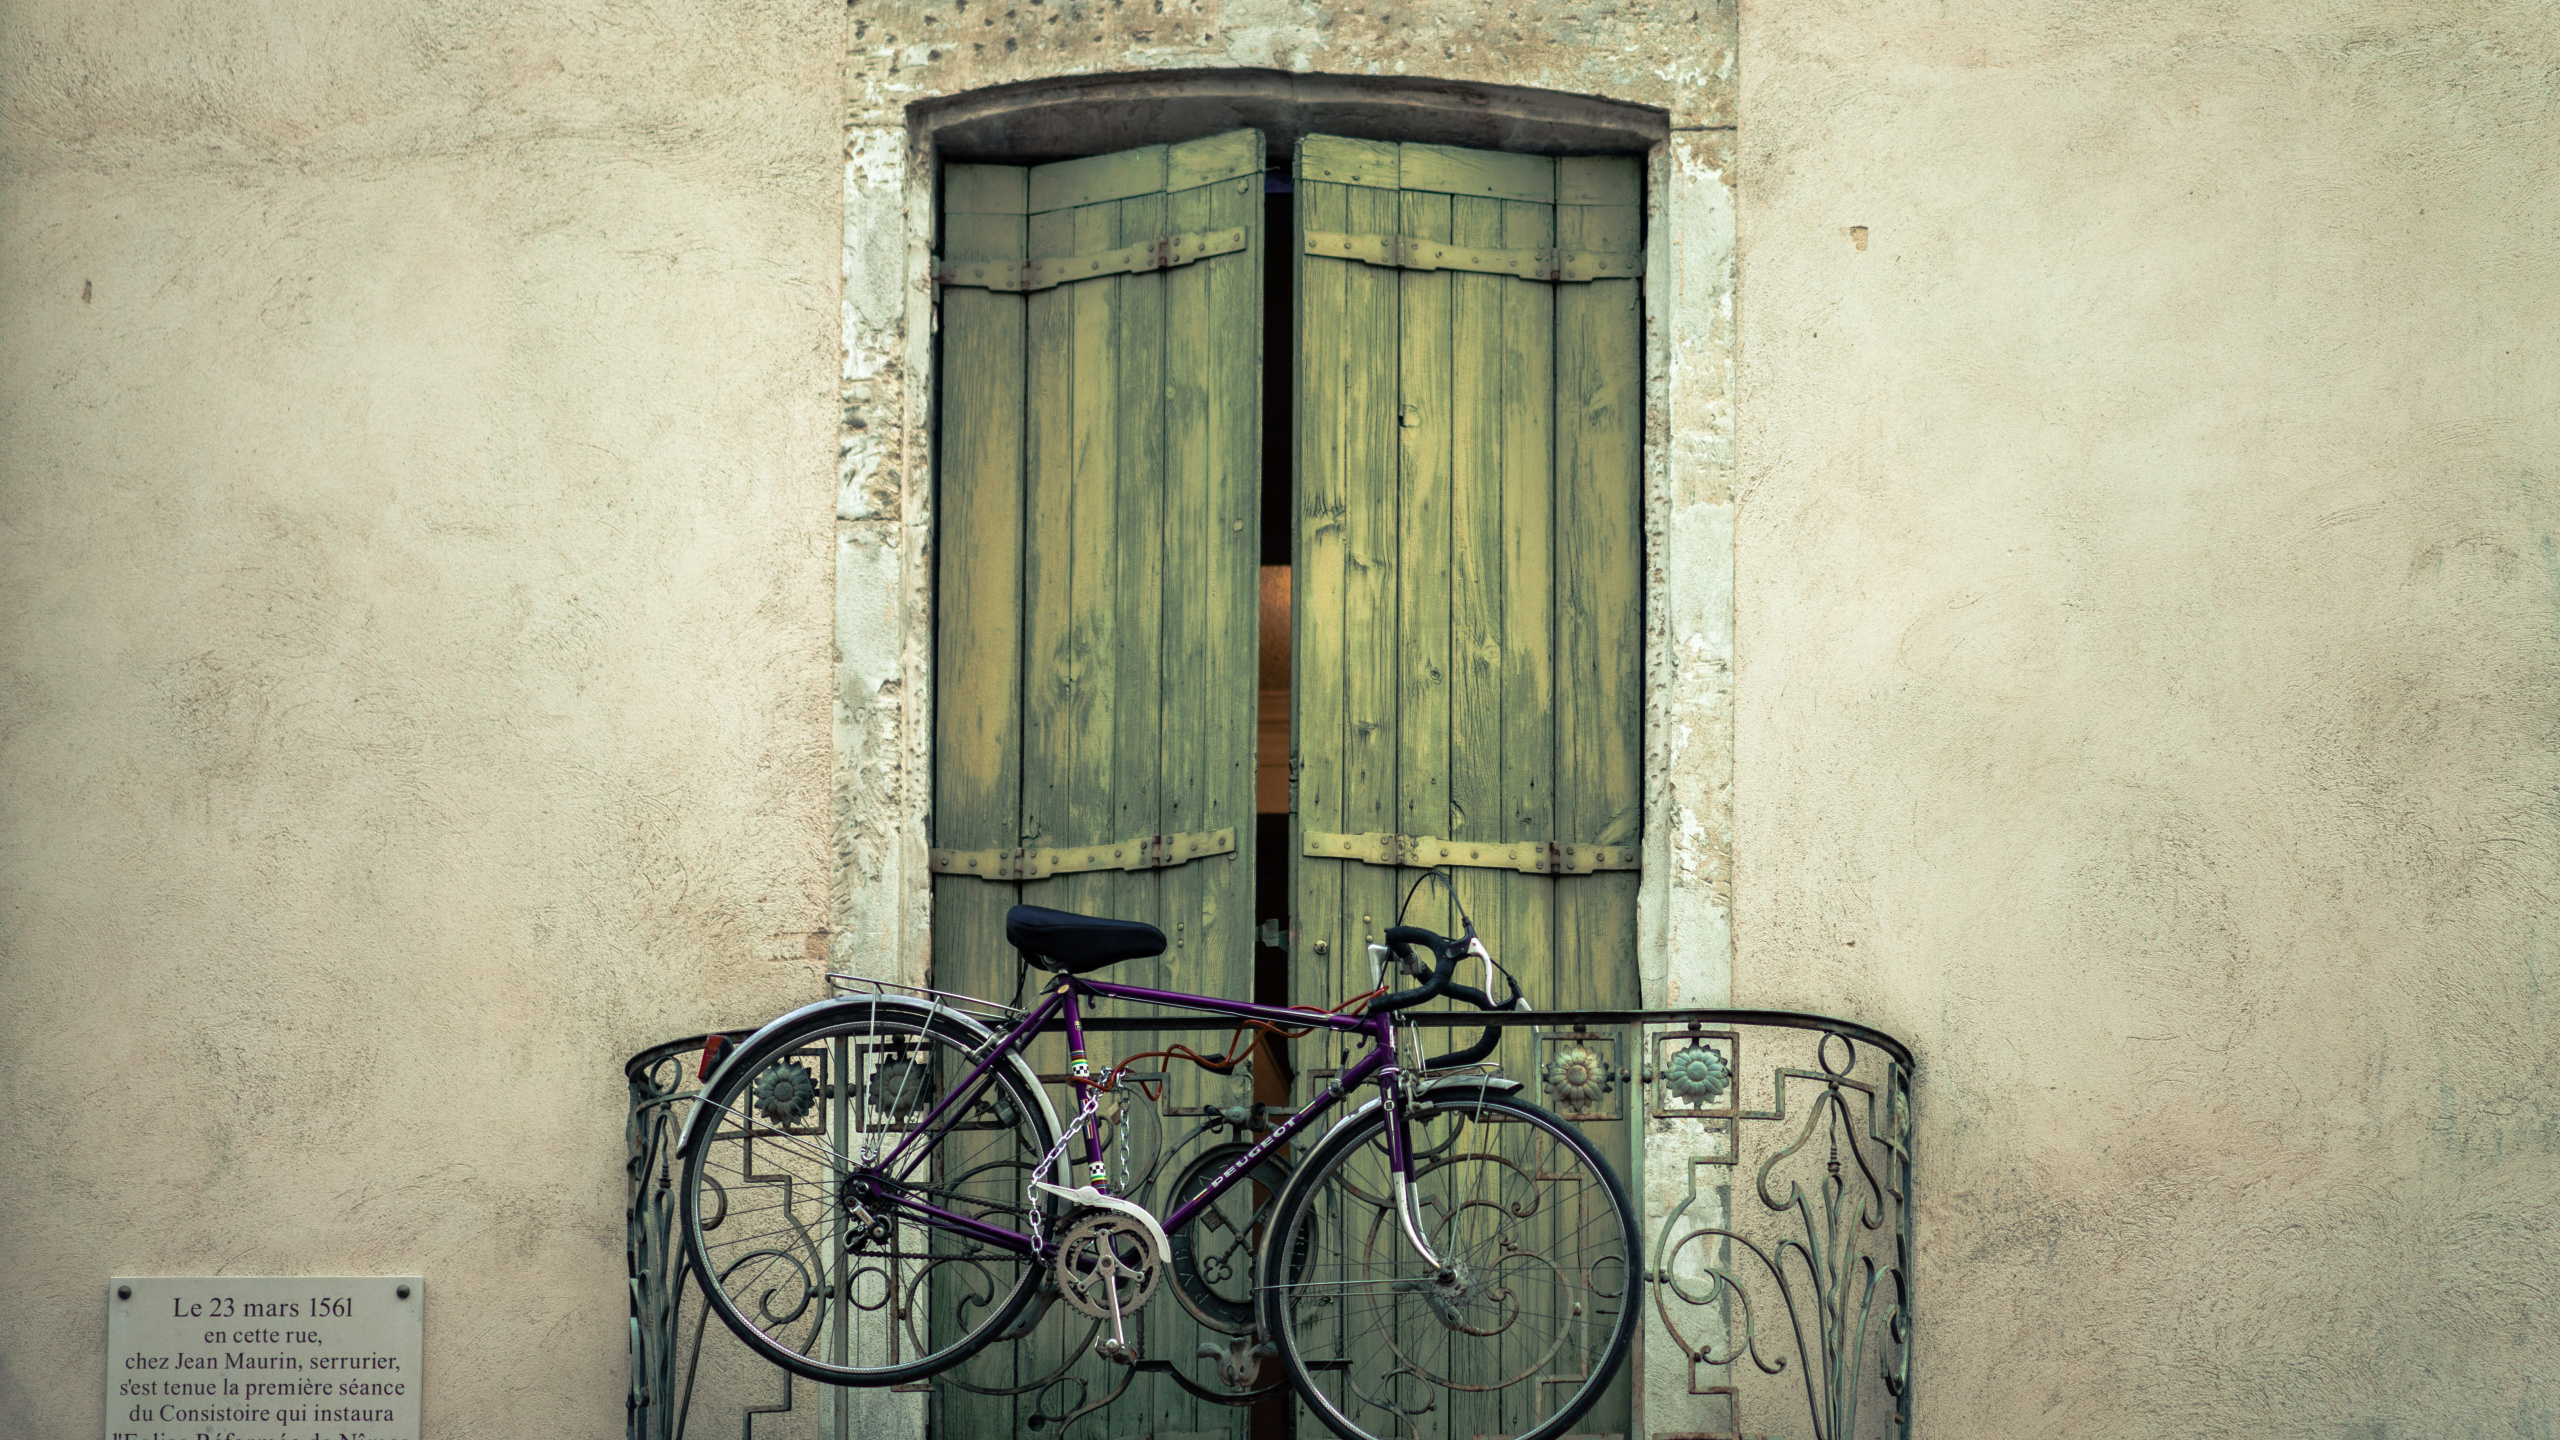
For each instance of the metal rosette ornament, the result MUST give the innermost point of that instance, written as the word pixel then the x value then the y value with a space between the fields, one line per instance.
pixel 1577 1078
pixel 903 1087
pixel 1697 1075
pixel 785 1093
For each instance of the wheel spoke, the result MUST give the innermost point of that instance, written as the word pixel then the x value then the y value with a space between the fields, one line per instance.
pixel 1509 1336
pixel 823 1267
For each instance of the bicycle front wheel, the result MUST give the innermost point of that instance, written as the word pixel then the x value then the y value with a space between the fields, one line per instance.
pixel 828 1249
pixel 1519 1328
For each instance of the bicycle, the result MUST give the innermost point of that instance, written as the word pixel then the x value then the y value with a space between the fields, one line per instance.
pixel 1449 1259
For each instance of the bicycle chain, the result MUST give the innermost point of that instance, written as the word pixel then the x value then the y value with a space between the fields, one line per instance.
pixel 1120 1123
pixel 1031 1196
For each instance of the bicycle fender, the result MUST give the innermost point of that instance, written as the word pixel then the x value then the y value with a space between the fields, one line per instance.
pixel 1087 1195
pixel 756 1049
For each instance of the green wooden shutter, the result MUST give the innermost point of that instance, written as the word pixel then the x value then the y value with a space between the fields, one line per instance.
pixel 1096 567
pixel 1470 595
pixel 1101 340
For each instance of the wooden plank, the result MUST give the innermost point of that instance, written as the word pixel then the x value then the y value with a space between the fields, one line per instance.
pixel 982 190
pixel 1235 155
pixel 1499 675
pixel 1421 660
pixel 1048 734
pixel 1211 334
pixel 1370 658
pixel 1475 570
pixel 1230 547
pixel 1096 180
pixel 1619 228
pixel 1050 714
pixel 1071 690
pixel 1600 586
pixel 1475 357
pixel 1093 542
pixel 1191 598
pixel 1048 697
pixel 1318 563
pixel 977 724
pixel 1600 180
pixel 1527 697
pixel 1334 160
pixel 1236 288
pixel 978 622
pixel 1136 596
pixel 1600 566
pixel 1447 170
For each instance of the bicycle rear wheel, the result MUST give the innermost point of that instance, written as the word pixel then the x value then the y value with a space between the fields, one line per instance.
pixel 814 1246
pixel 1520 1329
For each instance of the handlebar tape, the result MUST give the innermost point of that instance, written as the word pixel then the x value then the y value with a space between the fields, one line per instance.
pixel 1401 939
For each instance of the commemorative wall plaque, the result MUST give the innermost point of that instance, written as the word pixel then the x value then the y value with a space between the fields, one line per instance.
pixel 230 1357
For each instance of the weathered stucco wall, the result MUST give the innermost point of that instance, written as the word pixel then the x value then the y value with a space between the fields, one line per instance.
pixel 420 544
pixel 2147 681
pixel 415 470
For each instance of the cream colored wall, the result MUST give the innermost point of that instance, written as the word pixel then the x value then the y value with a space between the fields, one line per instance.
pixel 419 567
pixel 415 470
pixel 2147 686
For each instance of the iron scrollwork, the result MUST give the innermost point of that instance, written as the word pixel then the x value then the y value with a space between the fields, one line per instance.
pixel 1828 1257
pixel 667 1333
pixel 1780 1278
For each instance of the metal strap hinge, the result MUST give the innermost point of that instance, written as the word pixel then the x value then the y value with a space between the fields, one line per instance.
pixel 1021 276
pixel 1423 852
pixel 1405 252
pixel 1147 852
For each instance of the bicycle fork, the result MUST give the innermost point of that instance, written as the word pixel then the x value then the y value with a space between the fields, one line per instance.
pixel 1400 1173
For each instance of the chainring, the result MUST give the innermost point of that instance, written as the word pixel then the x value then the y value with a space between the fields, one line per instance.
pixel 1103 1255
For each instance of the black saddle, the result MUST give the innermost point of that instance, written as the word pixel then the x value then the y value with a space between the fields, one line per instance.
pixel 1057 940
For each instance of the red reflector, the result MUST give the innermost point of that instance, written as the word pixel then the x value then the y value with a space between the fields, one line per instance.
pixel 712 1050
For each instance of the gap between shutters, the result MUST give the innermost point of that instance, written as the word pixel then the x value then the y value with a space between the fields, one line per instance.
pixel 1422 852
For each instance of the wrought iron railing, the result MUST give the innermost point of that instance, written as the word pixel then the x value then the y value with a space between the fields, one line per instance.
pixel 1769 1153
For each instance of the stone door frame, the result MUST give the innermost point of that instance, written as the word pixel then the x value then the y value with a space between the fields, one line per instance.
pixel 880 905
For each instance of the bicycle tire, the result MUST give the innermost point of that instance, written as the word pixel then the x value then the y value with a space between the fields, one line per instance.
pixel 804 1285
pixel 1382 1347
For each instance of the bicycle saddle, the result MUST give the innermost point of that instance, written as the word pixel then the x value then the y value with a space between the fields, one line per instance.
pixel 1057 940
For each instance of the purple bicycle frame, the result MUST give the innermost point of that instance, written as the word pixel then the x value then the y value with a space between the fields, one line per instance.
pixel 1063 998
